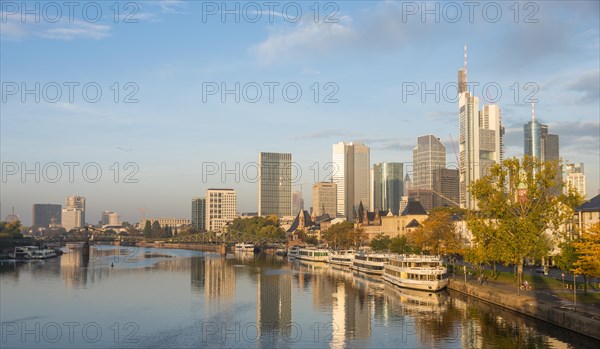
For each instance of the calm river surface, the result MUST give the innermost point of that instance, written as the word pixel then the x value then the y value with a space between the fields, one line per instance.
pixel 163 298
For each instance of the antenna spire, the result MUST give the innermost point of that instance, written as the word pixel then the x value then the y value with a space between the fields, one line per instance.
pixel 532 111
pixel 465 59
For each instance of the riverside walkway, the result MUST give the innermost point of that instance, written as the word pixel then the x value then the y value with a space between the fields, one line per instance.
pixel 542 304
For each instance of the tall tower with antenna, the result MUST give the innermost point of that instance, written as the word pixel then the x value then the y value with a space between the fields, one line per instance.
pixel 480 137
pixel 462 75
pixel 533 136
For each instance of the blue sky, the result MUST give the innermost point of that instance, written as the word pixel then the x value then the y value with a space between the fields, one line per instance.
pixel 365 55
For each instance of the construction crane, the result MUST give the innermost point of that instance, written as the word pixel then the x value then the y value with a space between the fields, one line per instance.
pixel 445 197
pixel 454 148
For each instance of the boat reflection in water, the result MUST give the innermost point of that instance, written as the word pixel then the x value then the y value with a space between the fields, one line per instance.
pixel 187 299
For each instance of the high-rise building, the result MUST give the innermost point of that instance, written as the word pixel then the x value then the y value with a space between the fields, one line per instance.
pixel 73 215
pixel 538 142
pixel 480 140
pixel 325 199
pixel 388 186
pixel 446 187
pixel 12 217
pixel 428 155
pixel 221 208
pixel 109 218
pixel 351 174
pixel 297 202
pixel 407 185
pixel 199 213
pixel 275 184
pixel 44 213
pixel 576 178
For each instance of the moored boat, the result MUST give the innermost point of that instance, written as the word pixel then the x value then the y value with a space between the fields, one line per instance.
pixel 313 254
pixel 341 257
pixel 244 247
pixel 32 252
pixel 370 263
pixel 281 252
pixel 43 253
pixel 294 251
pixel 425 273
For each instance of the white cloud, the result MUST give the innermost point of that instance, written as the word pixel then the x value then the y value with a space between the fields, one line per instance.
pixel 15 29
pixel 305 38
pixel 76 30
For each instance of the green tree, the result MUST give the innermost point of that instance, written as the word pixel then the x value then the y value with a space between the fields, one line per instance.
pixel 381 243
pixel 311 240
pixel 256 229
pixel 148 229
pixel 10 230
pixel 156 230
pixel 518 202
pixel 342 235
pixel 399 244
pixel 568 255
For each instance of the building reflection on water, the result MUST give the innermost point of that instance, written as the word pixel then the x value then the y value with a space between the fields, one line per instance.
pixel 274 305
pixel 353 309
pixel 219 281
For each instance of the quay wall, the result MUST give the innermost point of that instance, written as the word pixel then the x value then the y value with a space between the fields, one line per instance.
pixel 528 305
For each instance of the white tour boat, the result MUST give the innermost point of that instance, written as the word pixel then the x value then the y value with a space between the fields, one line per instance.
pixel 313 254
pixel 244 247
pixel 416 272
pixel 294 251
pixel 370 263
pixel 342 257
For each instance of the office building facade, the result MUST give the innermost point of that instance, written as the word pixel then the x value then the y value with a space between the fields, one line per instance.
pixel 351 175
pixel 388 186
pixel 44 215
pixel 324 199
pixel 275 184
pixel 480 139
pixel 575 178
pixel 221 208
pixel 199 213
pixel 73 214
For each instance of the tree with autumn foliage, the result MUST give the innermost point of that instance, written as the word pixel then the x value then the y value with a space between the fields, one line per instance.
pixel 437 235
pixel 519 202
pixel 343 235
pixel 588 254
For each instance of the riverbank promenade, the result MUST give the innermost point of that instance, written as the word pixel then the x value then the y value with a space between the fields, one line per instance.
pixel 546 304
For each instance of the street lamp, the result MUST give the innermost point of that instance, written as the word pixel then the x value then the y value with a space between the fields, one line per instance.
pixel 574 293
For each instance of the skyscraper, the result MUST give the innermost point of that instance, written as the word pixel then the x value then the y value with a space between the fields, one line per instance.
pixel 351 174
pixel 73 215
pixel 428 155
pixel 388 186
pixel 480 140
pixel 325 198
pixel 44 213
pixel 110 218
pixel 221 208
pixel 297 202
pixel 538 142
pixel 275 184
pixel 575 178
pixel 199 213
pixel 445 187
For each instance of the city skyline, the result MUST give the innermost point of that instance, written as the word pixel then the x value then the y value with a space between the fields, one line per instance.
pixel 371 58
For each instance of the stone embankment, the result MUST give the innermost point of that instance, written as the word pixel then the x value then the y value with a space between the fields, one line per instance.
pixel 542 306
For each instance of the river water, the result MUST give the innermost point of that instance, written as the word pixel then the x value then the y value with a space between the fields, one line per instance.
pixel 131 297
